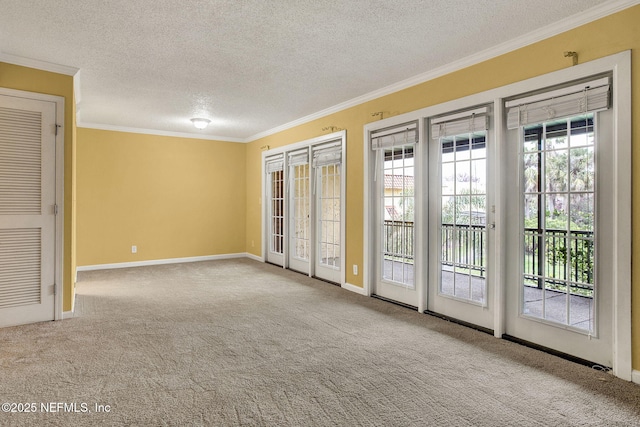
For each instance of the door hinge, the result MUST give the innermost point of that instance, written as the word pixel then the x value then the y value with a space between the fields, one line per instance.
pixel 57 126
pixel 55 209
pixel 55 289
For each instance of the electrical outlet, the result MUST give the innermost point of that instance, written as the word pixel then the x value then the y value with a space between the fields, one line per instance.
pixel 355 269
pixel 253 243
pixel 134 249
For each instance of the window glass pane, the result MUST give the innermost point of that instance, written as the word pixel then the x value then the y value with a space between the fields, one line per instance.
pixel 582 170
pixel 531 172
pixel 582 212
pixel 463 177
pixel 462 147
pixel 448 178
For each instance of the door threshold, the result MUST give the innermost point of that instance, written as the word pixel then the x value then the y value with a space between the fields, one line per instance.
pixel 460 322
pixel 327 281
pixel 401 304
pixel 566 356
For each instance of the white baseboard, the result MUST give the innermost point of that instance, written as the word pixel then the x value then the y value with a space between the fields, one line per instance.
pixel 354 288
pixel 162 261
pixel 635 376
pixel 67 314
pixel 254 257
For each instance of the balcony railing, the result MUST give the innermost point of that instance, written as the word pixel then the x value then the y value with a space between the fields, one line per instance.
pixel 465 245
pixel 398 240
pixel 556 269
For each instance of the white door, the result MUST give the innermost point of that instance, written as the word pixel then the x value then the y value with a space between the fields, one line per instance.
pixel 27 210
pixel 560 234
pixel 275 210
pixel 394 216
pixel 327 167
pixel 299 210
pixel 459 243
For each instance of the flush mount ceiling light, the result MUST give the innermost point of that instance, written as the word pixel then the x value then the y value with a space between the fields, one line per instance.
pixel 200 123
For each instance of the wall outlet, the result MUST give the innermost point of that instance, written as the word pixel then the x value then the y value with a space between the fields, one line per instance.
pixel 134 249
pixel 253 243
pixel 355 269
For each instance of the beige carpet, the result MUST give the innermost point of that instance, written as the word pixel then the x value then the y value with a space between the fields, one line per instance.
pixel 243 343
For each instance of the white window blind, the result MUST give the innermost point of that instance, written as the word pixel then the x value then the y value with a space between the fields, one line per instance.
pixel 300 157
pixel 275 163
pixel 460 123
pixel 398 135
pixel 580 99
pixel 327 154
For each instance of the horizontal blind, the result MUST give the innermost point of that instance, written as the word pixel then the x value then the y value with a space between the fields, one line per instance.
pixel 460 123
pixel 20 162
pixel 327 154
pixel 397 135
pixel 588 98
pixel 300 157
pixel 275 163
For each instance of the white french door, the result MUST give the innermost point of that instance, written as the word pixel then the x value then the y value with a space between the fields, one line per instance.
pixel 27 210
pixel 275 210
pixel 394 216
pixel 460 244
pixel 299 189
pixel 327 166
pixel 304 210
pixel 560 231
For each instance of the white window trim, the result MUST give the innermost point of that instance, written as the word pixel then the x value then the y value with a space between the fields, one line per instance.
pixel 620 66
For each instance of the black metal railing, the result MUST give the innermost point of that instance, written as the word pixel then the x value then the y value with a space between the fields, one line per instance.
pixel 567 257
pixel 464 245
pixel 398 240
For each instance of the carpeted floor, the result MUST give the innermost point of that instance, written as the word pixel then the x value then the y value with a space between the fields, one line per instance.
pixel 238 342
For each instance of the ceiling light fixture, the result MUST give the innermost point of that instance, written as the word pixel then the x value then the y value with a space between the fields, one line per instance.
pixel 200 123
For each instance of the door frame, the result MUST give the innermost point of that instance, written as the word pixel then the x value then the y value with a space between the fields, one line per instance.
pixel 619 65
pixel 59 188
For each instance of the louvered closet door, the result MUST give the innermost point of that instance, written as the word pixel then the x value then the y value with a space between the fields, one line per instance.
pixel 27 215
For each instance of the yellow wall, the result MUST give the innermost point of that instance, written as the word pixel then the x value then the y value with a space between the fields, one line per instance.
pixel 601 38
pixel 172 197
pixel 31 80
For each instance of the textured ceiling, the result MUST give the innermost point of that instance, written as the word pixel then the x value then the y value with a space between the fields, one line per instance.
pixel 253 65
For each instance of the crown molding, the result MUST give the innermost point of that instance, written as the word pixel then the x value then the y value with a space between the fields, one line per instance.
pixel 38 65
pixel 577 20
pixel 100 126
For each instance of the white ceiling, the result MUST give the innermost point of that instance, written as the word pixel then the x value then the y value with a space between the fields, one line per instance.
pixel 254 65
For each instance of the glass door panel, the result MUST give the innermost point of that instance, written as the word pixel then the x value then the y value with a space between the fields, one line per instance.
pixel 328 223
pixel 300 221
pixel 558 279
pixel 275 217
